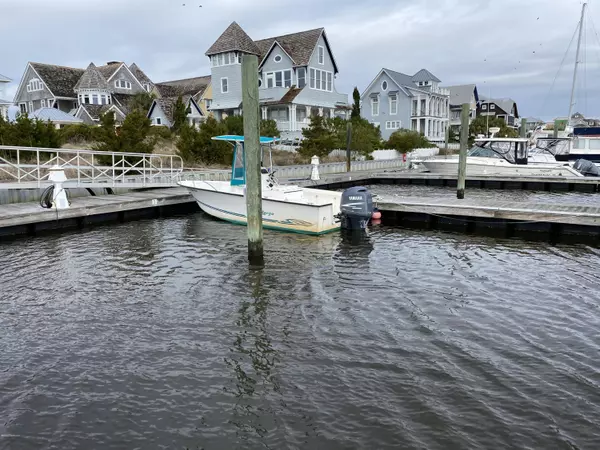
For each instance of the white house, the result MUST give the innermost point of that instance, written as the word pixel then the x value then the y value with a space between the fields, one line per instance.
pixel 4 104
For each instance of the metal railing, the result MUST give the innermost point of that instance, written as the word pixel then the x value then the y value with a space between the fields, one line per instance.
pixel 31 165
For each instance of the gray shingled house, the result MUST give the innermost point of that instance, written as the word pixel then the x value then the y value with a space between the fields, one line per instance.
pixel 459 95
pixel 297 74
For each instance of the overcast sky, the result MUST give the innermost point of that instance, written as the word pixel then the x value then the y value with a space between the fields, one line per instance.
pixel 509 48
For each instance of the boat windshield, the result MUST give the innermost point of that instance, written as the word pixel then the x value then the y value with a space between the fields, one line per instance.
pixel 491 149
pixel 552 145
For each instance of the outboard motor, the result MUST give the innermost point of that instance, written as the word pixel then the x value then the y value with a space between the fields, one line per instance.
pixel 356 208
pixel 586 168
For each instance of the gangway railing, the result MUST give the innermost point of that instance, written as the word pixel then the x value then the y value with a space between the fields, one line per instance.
pixel 31 166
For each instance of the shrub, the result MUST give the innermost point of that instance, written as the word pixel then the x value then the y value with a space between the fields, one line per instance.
pixel 405 141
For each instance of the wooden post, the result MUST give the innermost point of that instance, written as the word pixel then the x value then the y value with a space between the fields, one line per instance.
pixel 250 105
pixel 464 144
pixel 348 144
pixel 446 139
pixel 555 129
pixel 523 130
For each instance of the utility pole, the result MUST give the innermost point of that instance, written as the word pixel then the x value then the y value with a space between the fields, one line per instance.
pixel 348 144
pixel 576 63
pixel 250 106
pixel 464 144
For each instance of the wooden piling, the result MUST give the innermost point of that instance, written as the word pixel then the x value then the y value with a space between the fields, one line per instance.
pixel 523 130
pixel 464 145
pixel 348 144
pixel 250 107
pixel 555 133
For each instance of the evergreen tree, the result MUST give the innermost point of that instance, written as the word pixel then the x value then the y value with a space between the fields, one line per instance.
pixel 268 128
pixel 142 101
pixel 405 141
pixel 356 105
pixel 180 113
pixel 319 139
pixel 234 125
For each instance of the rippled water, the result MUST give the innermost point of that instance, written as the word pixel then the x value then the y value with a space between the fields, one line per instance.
pixel 155 335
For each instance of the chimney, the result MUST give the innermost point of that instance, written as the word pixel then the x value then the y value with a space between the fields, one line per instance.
pixel 112 63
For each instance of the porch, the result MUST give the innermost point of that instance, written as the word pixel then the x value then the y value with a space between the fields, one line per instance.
pixel 296 117
pixel 432 129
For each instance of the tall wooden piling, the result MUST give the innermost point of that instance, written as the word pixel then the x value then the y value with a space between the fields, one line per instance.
pixel 348 145
pixel 464 145
pixel 523 130
pixel 250 107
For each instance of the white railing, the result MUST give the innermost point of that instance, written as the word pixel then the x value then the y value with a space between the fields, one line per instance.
pixel 31 166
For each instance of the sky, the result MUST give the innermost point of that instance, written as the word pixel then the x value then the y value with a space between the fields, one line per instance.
pixel 508 48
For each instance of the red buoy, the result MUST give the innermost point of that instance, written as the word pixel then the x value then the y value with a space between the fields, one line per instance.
pixel 376 215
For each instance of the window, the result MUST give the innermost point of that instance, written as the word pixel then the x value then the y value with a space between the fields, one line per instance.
pixel 86 98
pixel 23 107
pixel 287 78
pixel 224 85
pixel 384 85
pixel 208 103
pixel 484 107
pixel 278 79
pixel 158 121
pixel 594 144
pixel 30 107
pixel 492 107
pixel 43 103
pixel 95 99
pixel 104 100
pixel 147 87
pixel 393 125
pixel 122 84
pixel 393 104
pixel 49 103
pixel 301 72
pixel 270 79
pixel 224 59
pixel 34 85
pixel 375 106
pixel 321 55
pixel 321 80
pixel 277 58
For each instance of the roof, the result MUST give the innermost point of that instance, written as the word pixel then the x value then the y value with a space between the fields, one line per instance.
pixel 233 39
pixel 5 102
pixel 139 74
pixel 4 79
pixel 299 46
pixel 109 70
pixel 121 101
pixel 60 80
pixel 187 86
pixel 425 75
pixel 506 104
pixel 401 79
pixel 95 111
pixel 461 94
pixel 91 79
pixel 54 115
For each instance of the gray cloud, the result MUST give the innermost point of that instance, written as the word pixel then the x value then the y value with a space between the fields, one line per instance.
pixel 501 45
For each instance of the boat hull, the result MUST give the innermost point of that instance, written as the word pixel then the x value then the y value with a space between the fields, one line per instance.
pixel 281 215
pixel 501 168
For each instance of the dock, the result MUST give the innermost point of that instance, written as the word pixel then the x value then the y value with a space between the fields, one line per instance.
pixel 554 222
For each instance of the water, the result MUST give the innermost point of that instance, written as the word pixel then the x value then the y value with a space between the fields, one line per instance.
pixel 155 335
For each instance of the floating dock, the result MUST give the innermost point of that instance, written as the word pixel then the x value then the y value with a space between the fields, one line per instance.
pixel 530 220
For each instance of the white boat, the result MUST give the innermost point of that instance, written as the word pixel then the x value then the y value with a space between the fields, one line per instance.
pixel 502 156
pixel 284 207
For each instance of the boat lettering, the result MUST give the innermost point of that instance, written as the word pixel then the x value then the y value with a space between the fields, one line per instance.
pixel 355 197
pixel 265 213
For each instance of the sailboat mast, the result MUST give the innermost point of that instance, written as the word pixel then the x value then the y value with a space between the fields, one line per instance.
pixel 576 63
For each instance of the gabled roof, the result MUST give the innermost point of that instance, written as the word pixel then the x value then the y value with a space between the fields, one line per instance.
pixel 95 111
pixel 109 70
pixel 462 93
pixel 91 79
pixel 167 105
pixel 299 46
pixel 505 104
pixel 425 75
pixel 59 79
pixel 233 39
pixel 54 115
pixel 4 79
pixel 188 86
pixel 139 74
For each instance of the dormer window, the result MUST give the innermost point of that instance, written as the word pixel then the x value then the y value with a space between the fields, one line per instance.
pixel 122 84
pixel 34 85
pixel 277 58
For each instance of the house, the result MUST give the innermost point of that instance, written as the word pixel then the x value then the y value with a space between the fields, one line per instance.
pixel 297 74
pixel 459 95
pixel 84 93
pixel 162 111
pixel 195 93
pixel 533 123
pixel 59 118
pixel 395 100
pixel 504 108
pixel 4 104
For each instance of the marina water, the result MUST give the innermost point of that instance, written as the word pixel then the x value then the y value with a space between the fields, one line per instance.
pixel 156 335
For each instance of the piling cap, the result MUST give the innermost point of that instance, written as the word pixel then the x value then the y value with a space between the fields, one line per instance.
pixel 57 174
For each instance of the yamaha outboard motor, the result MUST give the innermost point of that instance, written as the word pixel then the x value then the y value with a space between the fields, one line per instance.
pixel 586 168
pixel 356 208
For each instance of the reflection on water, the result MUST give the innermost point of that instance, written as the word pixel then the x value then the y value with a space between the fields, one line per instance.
pixel 157 335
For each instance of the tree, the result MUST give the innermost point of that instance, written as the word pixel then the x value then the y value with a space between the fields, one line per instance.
pixel 319 139
pixel 356 106
pixel 405 141
pixel 268 128
pixel 234 125
pixel 26 132
pixel 482 124
pixel 197 146
pixel 180 113
pixel 366 137
pixel 134 133
pixel 142 101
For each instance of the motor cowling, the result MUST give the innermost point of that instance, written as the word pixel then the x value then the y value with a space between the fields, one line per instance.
pixel 586 168
pixel 356 208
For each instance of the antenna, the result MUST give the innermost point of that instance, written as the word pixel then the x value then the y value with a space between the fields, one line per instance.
pixel 576 63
